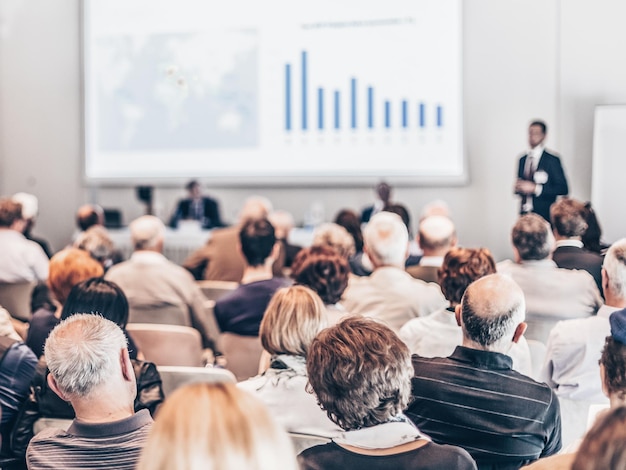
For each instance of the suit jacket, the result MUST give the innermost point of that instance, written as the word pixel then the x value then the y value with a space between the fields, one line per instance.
pixel 573 257
pixel 556 184
pixel 210 219
pixel 425 273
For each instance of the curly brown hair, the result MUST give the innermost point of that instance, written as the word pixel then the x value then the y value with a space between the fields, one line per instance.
pixel 322 269
pixel 461 267
pixel 614 361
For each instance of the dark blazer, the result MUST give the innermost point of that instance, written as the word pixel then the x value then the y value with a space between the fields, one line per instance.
pixel 572 257
pixel 556 185
pixel 211 216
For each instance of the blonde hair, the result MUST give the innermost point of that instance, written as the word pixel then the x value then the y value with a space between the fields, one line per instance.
pixel 216 426
pixel 291 321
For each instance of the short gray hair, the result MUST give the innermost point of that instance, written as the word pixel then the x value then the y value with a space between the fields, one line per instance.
pixel 146 232
pixel 615 267
pixel 532 237
pixel 83 352
pixel 334 236
pixel 387 239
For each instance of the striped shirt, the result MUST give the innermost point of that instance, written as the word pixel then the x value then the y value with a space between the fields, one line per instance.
pixel 91 446
pixel 473 399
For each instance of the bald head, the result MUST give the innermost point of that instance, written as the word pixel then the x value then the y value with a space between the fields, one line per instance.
pixel 147 233
pixel 492 313
pixel 436 235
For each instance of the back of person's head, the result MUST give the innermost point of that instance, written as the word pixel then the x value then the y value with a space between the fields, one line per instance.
pixel 291 321
pixel 613 358
pixel 69 267
pixel 84 353
pixel 386 240
pixel 147 233
pixel 99 297
pixel 96 241
pixel 436 234
pixel 461 267
pixel 322 269
pixel 10 212
pixel 615 266
pixel 592 237
pixel 532 237
pixel 89 215
pixel 568 217
pixel 283 223
pixel 351 221
pixel 491 310
pixel 336 237
pixel 604 445
pixel 361 373
pixel 255 208
pixel 436 207
pixel 30 205
pixel 216 426
pixel 257 240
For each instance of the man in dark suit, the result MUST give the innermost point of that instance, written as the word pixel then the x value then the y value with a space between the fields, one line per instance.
pixel 197 207
pixel 568 223
pixel 540 176
pixel 383 194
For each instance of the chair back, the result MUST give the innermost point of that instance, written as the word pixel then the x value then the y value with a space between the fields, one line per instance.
pixel 537 356
pixel 160 315
pixel 215 290
pixel 173 377
pixel 167 345
pixel 242 354
pixel 15 297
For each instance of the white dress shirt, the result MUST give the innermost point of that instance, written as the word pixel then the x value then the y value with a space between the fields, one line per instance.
pixel 22 259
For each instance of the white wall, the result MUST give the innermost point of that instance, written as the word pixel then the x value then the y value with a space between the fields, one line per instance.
pixel 523 59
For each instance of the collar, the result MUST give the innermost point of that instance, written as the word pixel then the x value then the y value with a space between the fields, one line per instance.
pixel 485 359
pixel 9 232
pixel 148 257
pixel 433 261
pixel 569 242
pixel 287 361
pixel 537 152
pixel 113 428
pixel 397 431
pixel 605 311
pixel 540 263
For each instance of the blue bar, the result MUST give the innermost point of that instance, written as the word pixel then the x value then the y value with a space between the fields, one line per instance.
pixel 439 116
pixel 287 97
pixel 422 115
pixel 320 108
pixel 353 102
pixel 405 107
pixel 387 114
pixel 370 107
pixel 336 110
pixel 304 110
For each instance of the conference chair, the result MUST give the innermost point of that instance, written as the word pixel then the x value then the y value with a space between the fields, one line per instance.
pixel 167 345
pixel 215 290
pixel 173 377
pixel 160 314
pixel 15 297
pixel 242 354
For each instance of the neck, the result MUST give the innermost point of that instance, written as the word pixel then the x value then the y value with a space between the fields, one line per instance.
pixel 497 347
pixel 101 409
pixel 613 300
pixel 615 401
pixel 256 273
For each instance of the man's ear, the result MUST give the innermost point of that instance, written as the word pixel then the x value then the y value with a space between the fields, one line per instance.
pixel 605 389
pixel 457 314
pixel 519 331
pixel 275 251
pixel 127 367
pixel 52 383
pixel 605 281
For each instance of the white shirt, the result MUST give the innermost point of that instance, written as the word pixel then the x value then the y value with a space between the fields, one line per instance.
pixel 22 259
pixel 574 348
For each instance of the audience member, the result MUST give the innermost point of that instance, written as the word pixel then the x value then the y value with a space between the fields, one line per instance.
pixel 216 426
pixel 569 224
pixel 22 259
pixel 221 259
pixel 552 293
pixel 151 281
pixel 326 272
pixel 30 209
pixel 436 236
pixel 592 238
pixel 349 220
pixel 574 346
pixel 335 237
pixel 97 242
pixel 438 334
pixel 473 398
pixel 241 311
pixel 604 446
pixel 390 294
pixel 293 318
pixel 197 207
pixel 90 367
pixel 283 224
pixel 89 215
pixel 94 296
pixel 383 199
pixel 360 372
pixel 67 268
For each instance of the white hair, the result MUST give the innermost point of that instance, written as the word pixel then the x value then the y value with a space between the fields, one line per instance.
pixel 386 238
pixel 334 236
pixel 83 352
pixel 615 267
pixel 436 232
pixel 30 205
pixel 146 232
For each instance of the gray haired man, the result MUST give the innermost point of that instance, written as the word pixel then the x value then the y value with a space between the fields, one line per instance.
pixel 89 366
